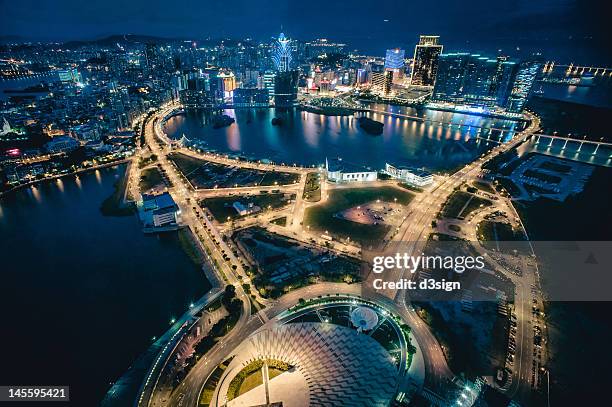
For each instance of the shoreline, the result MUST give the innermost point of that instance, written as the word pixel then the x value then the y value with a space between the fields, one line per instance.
pixel 59 176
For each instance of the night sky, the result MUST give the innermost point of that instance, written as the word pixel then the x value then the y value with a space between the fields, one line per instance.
pixel 562 29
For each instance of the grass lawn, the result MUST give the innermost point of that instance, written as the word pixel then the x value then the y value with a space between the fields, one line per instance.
pixel 273 372
pixel 185 163
pixel 321 217
pixel 484 186
pixel 279 221
pixel 501 236
pixel 498 231
pixel 279 178
pixel 251 381
pixel 460 204
pixel 221 207
pixel 410 187
pixel 312 190
pixel 454 228
pixel 151 178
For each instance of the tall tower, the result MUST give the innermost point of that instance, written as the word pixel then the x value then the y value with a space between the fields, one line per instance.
pixel 425 63
pixel 282 54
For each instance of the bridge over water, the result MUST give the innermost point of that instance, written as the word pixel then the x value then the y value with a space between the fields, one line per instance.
pixel 586 151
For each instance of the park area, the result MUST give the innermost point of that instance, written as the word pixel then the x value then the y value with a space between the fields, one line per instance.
pixel 151 179
pixel 222 209
pixel 208 175
pixel 312 189
pixel 331 216
pixel 460 204
pixel 283 264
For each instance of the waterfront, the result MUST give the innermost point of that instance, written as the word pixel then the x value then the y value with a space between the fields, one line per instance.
pixel 578 331
pixel 83 293
pixel 446 141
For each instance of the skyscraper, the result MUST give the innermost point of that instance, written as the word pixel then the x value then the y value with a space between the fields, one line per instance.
pixel 286 79
pixel 450 77
pixel 478 82
pixel 394 59
pixel 281 54
pixel 425 62
pixel 485 82
pixel 381 82
pixel 285 89
pixel 525 77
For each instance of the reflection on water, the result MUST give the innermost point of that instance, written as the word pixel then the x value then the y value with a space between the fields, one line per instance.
pixel 84 293
pixel 569 149
pixel 425 138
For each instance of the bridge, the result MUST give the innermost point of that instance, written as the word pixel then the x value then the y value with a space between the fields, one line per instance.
pixel 572 69
pixel 583 150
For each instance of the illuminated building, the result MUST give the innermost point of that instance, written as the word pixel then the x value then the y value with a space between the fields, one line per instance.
pixel 61 144
pixel 281 54
pixel 479 77
pixel 228 82
pixel 251 97
pixel 394 59
pixel 451 74
pixel 425 63
pixel 286 79
pixel 394 62
pixel 268 82
pixel 285 89
pixel 362 76
pixel 412 176
pixel 381 82
pixel 525 77
pixel 341 171
pixel 69 75
pixel 475 80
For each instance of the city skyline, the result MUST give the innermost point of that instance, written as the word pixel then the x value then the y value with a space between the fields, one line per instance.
pixel 571 30
pixel 264 203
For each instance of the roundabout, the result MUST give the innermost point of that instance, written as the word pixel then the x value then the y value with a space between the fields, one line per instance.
pixel 344 351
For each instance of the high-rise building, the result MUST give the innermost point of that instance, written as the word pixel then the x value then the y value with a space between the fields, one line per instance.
pixel 476 80
pixel 151 57
pixel 251 97
pixel 70 75
pixel 506 73
pixel 525 77
pixel 425 62
pixel 394 59
pixel 381 83
pixel 362 76
pixel 285 89
pixel 286 78
pixel 268 82
pixel 450 78
pixel 281 54
pixel 228 81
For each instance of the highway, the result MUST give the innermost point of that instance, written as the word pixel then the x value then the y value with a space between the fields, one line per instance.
pixel 207 237
pixel 414 232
